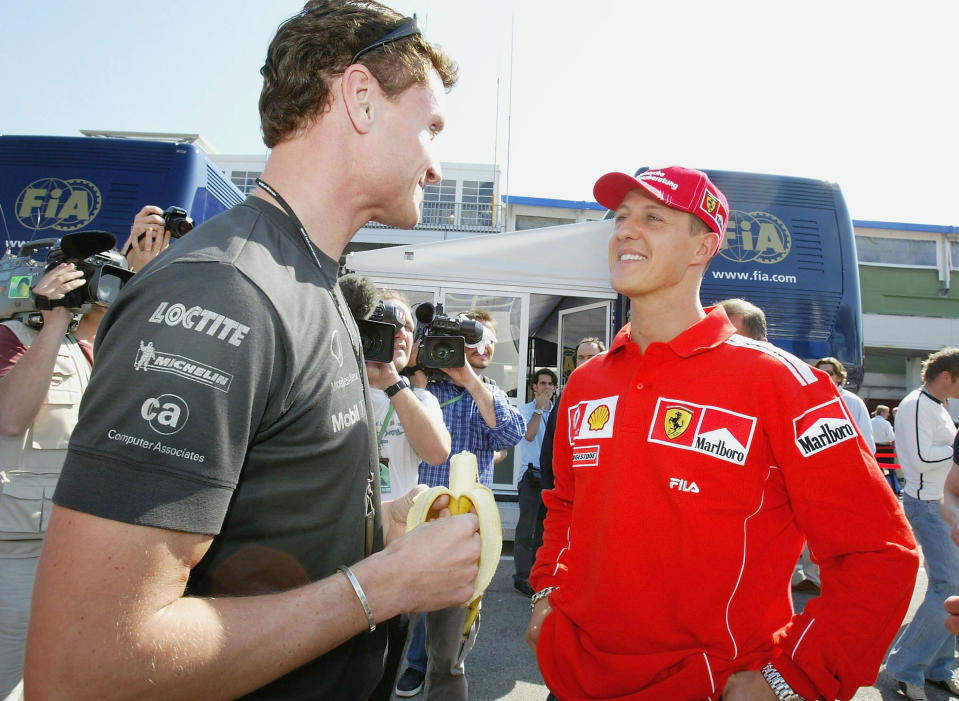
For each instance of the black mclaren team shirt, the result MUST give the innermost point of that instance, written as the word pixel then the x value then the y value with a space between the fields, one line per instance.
pixel 228 399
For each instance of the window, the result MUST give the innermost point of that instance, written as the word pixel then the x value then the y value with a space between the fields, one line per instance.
pixel 527 221
pixel 245 179
pixel 887 251
pixel 477 203
pixel 439 205
pixel 954 253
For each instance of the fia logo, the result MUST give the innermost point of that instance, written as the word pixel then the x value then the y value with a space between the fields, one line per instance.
pixel 63 205
pixel 755 237
pixel 166 414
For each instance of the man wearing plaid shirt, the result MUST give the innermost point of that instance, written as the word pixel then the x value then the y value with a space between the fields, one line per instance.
pixel 481 420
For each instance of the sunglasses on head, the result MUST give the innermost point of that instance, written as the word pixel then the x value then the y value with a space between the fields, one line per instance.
pixel 407 29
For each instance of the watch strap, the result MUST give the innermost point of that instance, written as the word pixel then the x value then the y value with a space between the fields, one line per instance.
pixel 780 686
pixel 404 383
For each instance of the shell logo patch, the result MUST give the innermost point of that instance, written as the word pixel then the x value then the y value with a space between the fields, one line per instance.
pixel 709 430
pixel 592 419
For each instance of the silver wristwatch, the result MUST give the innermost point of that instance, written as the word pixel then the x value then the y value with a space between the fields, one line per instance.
pixel 780 686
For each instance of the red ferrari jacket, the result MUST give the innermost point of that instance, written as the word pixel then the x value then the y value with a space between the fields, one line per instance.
pixel 687 479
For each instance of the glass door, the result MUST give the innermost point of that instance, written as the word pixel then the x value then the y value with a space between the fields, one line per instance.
pixel 575 324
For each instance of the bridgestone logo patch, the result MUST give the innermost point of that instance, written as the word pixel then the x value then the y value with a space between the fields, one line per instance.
pixel 823 427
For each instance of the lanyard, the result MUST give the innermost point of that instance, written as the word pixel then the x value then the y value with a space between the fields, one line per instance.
pixel 386 422
pixel 374 472
pixel 454 399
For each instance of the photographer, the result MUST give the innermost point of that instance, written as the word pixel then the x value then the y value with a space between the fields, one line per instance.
pixel 482 421
pixel 409 424
pixel 150 234
pixel 42 377
pixel 43 374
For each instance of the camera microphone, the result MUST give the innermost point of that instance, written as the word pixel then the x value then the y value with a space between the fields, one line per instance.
pixel 360 295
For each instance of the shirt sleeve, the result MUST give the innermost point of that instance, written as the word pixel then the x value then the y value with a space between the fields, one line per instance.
pixel 181 383
pixel 858 534
pixel 510 426
pixel 11 349
pixel 933 436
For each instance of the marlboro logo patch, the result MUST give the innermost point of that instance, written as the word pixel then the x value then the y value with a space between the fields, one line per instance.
pixel 592 419
pixel 710 430
pixel 823 427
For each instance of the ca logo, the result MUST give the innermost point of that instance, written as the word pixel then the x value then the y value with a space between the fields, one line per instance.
pixel 166 414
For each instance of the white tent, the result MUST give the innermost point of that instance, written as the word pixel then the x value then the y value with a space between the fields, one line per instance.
pixel 571 259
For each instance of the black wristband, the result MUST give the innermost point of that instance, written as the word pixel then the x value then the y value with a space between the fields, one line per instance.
pixel 399 386
pixel 44 303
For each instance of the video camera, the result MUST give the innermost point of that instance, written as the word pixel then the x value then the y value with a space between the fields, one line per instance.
pixel 104 269
pixel 377 332
pixel 444 337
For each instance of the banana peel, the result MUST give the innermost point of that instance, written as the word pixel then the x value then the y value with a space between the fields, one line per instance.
pixel 466 493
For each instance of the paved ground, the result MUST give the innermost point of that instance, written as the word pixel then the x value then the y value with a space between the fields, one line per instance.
pixel 502 667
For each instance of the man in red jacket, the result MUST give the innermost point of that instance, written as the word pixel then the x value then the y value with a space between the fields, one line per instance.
pixel 690 465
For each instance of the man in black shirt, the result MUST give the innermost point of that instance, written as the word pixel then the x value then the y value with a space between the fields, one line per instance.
pixel 218 530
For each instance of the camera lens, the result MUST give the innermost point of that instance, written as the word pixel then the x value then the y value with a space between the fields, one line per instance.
pixel 372 345
pixel 183 227
pixel 442 354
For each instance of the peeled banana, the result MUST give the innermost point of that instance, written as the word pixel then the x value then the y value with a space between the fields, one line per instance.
pixel 466 493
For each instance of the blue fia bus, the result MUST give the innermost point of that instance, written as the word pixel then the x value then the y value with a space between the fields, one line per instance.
pixel 54 185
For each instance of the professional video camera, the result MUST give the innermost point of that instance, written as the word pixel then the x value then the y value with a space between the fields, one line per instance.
pixel 104 270
pixel 377 332
pixel 444 337
pixel 377 319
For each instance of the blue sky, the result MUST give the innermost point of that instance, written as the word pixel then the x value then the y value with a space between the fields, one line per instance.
pixel 861 93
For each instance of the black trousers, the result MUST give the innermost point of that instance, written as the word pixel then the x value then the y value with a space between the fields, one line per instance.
pixel 529 527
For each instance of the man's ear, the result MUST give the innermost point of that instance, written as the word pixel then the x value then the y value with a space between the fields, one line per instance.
pixel 708 247
pixel 357 88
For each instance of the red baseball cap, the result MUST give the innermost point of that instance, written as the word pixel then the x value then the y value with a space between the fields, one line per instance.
pixel 681 188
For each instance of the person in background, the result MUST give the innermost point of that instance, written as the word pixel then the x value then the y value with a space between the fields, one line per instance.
pixel 481 420
pixel 529 525
pixel 219 514
pixel 731 485
pixel 749 320
pixel 409 425
pixel 925 434
pixel 587 348
pixel 43 375
pixel 885 438
pixel 856 406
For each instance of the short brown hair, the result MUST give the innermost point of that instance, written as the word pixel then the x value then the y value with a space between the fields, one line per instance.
pixel 838 366
pixel 945 360
pixel 754 319
pixel 482 316
pixel 317 44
